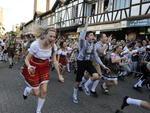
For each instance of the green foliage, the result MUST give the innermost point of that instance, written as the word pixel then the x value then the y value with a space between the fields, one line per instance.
pixel 12 33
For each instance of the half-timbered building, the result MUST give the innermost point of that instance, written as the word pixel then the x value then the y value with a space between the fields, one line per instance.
pixel 121 16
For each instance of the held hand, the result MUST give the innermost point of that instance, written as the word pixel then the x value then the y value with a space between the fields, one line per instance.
pixel 60 66
pixel 110 39
pixel 107 70
pixel 31 70
pixel 124 58
pixel 86 22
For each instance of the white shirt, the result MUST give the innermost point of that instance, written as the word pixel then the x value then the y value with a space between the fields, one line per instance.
pixel 37 52
pixel 2 43
pixel 61 52
pixel 69 49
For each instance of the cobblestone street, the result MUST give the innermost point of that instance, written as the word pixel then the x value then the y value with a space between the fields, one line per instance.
pixel 59 96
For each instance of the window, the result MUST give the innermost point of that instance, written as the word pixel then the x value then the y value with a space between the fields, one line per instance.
pixel 106 2
pixel 90 10
pixel 119 4
pixel 75 11
pixel 58 16
pixel 93 9
pixel 110 5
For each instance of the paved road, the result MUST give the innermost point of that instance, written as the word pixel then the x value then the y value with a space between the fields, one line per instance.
pixel 59 95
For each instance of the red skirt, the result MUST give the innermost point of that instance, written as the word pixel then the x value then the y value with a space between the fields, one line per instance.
pixel 42 69
pixel 63 60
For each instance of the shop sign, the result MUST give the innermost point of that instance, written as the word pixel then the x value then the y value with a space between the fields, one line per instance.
pixel 138 23
pixel 145 0
pixel 105 27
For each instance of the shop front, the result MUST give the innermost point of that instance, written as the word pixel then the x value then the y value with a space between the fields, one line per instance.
pixel 139 29
pixel 114 29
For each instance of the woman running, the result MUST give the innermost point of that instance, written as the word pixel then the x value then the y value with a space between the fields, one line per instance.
pixel 37 65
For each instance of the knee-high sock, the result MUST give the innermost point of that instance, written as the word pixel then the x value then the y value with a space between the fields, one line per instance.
pixel 27 91
pixel 95 83
pixel 139 83
pixel 75 92
pixel 82 82
pixel 5 57
pixel 1 56
pixel 105 85
pixel 88 83
pixel 10 61
pixel 40 104
pixel 68 67
pixel 134 101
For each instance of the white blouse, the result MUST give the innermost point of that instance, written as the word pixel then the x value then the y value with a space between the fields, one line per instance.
pixel 37 52
pixel 61 52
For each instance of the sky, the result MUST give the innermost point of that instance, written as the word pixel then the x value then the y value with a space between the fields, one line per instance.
pixel 16 11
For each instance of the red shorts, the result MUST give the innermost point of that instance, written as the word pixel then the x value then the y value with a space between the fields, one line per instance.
pixel 41 72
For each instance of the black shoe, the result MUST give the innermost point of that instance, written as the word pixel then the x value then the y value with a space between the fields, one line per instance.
pixel 75 71
pixel 94 94
pixel 10 66
pixel 80 88
pixel 118 111
pixel 25 97
pixel 124 103
pixel 148 86
pixel 137 88
pixel 122 78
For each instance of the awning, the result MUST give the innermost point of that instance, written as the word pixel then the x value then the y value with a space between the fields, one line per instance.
pixel 105 27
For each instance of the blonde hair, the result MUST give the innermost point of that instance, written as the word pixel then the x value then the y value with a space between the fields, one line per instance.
pixel 45 32
pixel 39 31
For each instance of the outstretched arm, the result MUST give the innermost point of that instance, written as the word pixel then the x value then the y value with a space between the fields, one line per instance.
pixel 83 35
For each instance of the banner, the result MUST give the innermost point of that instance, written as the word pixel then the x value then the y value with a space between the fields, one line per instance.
pixel 138 23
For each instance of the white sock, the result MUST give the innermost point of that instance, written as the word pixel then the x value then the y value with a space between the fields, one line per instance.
pixel 27 91
pixel 104 85
pixel 0 56
pixel 5 57
pixel 10 61
pixel 75 92
pixel 68 67
pixel 82 82
pixel 139 83
pixel 124 73
pixel 95 83
pixel 40 104
pixel 86 85
pixel 134 101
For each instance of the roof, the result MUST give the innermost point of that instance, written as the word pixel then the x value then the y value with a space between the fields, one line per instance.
pixel 28 22
pixel 55 5
pixel 59 2
pixel 46 13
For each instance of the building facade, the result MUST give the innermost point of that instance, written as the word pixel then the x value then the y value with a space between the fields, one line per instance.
pixel 122 16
